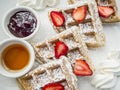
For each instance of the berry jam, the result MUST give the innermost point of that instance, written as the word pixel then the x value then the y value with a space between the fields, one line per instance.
pixel 22 24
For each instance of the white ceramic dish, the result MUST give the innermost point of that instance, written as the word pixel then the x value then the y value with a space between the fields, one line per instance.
pixel 11 12
pixel 13 74
pixel 112 33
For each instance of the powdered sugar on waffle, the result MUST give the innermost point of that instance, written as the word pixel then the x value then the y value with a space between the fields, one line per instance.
pixel 54 71
pixel 72 38
pixel 45 52
pixel 74 56
pixel 84 28
pixel 103 2
pixel 71 43
pixel 91 28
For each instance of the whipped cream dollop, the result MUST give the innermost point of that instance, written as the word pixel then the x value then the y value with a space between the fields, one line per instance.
pixel 110 66
pixel 112 63
pixel 109 70
pixel 104 81
pixel 37 4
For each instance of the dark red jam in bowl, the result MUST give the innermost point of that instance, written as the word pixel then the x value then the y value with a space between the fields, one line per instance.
pixel 22 24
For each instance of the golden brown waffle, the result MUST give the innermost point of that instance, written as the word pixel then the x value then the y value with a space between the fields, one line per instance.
pixel 90 29
pixel 77 48
pixel 111 3
pixel 59 71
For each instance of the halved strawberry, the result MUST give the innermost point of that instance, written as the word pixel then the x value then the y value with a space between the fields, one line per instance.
pixel 53 86
pixel 79 14
pixel 60 49
pixel 57 18
pixel 81 68
pixel 105 11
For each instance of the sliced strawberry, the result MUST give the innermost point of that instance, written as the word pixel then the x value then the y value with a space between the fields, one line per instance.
pixel 81 68
pixel 60 49
pixel 53 86
pixel 57 18
pixel 79 14
pixel 105 11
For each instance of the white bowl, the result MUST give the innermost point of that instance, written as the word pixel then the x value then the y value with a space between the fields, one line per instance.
pixel 21 72
pixel 11 12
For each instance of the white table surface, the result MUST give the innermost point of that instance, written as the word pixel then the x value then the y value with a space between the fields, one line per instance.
pixel 112 33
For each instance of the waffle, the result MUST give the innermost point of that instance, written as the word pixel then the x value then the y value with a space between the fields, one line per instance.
pixel 90 28
pixel 58 71
pixel 111 3
pixel 77 48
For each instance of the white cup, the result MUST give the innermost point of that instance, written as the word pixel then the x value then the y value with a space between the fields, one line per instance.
pixel 11 12
pixel 4 44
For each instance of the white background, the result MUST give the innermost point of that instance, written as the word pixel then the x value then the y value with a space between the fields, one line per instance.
pixel 112 32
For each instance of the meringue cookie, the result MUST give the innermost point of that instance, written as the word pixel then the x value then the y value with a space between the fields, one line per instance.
pixel 37 4
pixel 104 81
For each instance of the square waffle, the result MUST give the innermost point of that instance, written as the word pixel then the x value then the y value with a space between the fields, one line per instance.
pixel 90 29
pixel 110 3
pixel 72 38
pixel 58 71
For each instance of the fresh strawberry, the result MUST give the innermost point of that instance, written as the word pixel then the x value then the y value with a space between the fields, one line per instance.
pixel 53 86
pixel 79 14
pixel 60 49
pixel 105 11
pixel 81 68
pixel 57 18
